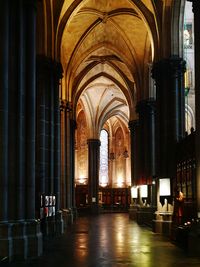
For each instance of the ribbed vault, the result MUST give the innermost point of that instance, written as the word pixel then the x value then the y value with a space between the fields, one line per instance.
pixel 105 49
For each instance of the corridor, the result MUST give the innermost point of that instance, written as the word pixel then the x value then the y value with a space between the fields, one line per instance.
pixel 110 240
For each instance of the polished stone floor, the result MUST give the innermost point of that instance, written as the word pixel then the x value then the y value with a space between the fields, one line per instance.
pixel 110 240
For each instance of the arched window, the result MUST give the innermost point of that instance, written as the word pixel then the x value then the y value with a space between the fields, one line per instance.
pixel 103 170
pixel 188 46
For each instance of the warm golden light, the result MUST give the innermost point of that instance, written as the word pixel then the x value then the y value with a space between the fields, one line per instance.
pixel 82 180
pixel 103 181
pixel 120 182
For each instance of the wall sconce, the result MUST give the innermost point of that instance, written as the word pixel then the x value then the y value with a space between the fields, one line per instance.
pixel 143 191
pixel 134 192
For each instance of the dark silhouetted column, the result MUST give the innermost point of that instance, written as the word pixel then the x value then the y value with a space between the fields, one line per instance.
pixel 133 126
pixel 146 111
pixel 169 77
pixel 4 53
pixel 93 174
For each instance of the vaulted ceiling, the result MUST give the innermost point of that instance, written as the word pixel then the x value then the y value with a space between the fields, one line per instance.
pixel 105 47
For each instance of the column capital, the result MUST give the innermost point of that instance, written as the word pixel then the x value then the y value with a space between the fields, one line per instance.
pixel 93 142
pixel 146 106
pixel 173 66
pixel 65 105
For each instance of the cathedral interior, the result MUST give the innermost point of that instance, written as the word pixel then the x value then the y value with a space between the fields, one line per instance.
pixel 98 114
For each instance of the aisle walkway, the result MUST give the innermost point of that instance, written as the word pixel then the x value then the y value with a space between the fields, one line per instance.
pixel 111 240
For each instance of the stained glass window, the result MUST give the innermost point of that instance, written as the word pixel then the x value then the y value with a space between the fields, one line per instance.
pixel 103 171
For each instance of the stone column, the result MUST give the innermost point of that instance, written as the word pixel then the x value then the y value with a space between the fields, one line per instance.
pixel 63 154
pixel 169 77
pixel 34 238
pixel 72 134
pixel 57 141
pixel 20 234
pixel 4 84
pixel 146 110
pixel 93 174
pixel 67 167
pixel 68 157
pixel 49 73
pixel 30 11
pixel 40 135
pixel 133 126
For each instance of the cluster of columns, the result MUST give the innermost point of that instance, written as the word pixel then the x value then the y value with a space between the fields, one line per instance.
pixel 19 231
pixel 68 127
pixel 142 132
pixel 170 96
pixel 160 125
pixel 48 148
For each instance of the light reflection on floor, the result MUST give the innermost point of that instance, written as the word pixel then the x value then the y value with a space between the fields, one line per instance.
pixel 111 240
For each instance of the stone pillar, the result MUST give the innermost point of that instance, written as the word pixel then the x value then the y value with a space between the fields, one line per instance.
pixel 49 73
pixel 93 174
pixel 20 234
pixel 72 139
pixel 169 77
pixel 57 149
pixel 133 126
pixel 40 135
pixel 63 154
pixel 68 157
pixel 67 162
pixel 4 84
pixel 30 11
pixel 146 110
pixel 34 238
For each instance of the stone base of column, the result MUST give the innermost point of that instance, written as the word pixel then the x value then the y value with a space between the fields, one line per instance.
pixel 162 223
pixel 20 240
pixel 49 226
pixel 34 239
pixel 75 213
pixel 59 223
pixel 145 215
pixel 133 212
pixel 68 217
pixel 54 225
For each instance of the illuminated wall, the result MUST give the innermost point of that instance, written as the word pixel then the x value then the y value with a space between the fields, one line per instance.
pixel 81 152
pixel 120 161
